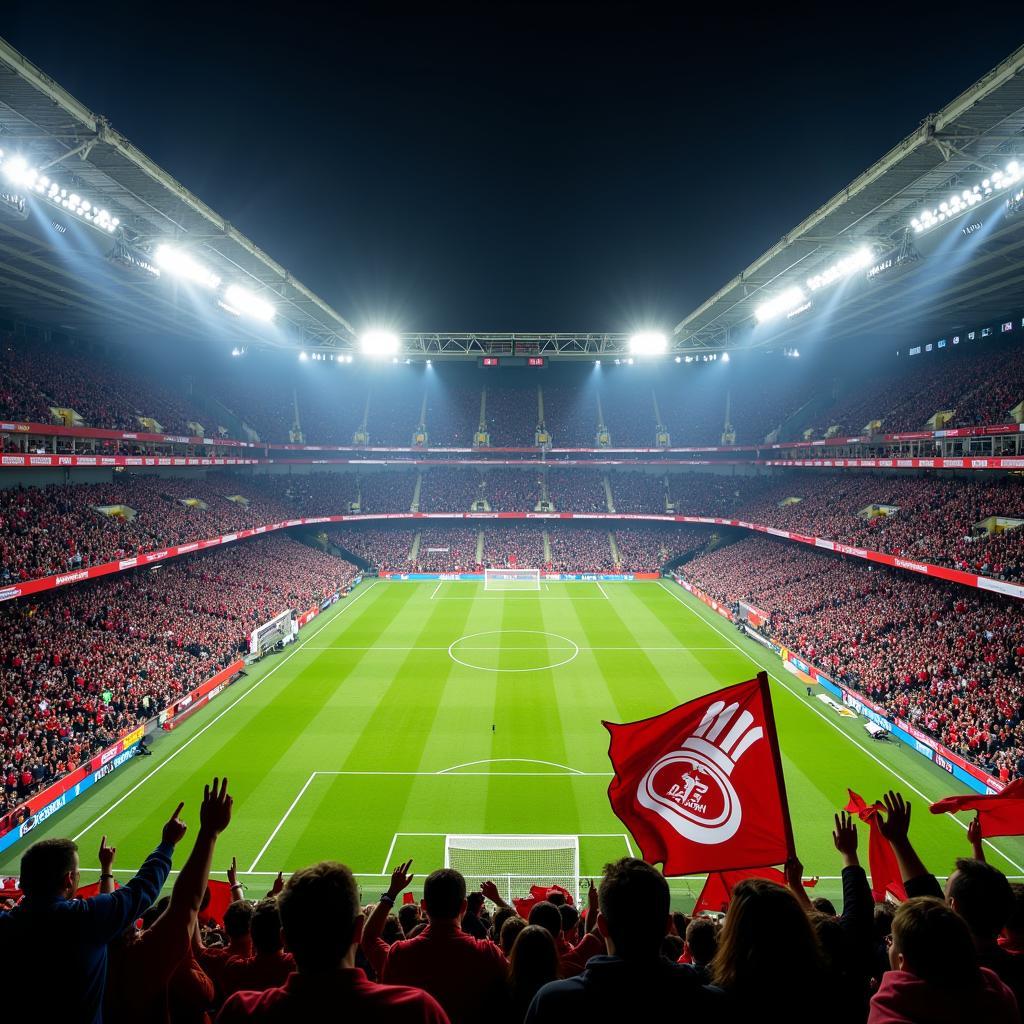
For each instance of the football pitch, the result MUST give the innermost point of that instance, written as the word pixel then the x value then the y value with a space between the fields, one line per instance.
pixel 412 712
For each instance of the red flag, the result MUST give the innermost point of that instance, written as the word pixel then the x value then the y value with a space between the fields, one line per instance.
pixel 1001 814
pixel 700 787
pixel 408 898
pixel 885 872
pixel 220 900
pixel 717 891
pixel 538 894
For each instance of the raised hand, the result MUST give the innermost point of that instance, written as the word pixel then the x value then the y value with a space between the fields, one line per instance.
pixel 895 826
pixel 278 885
pixel 401 879
pixel 215 813
pixel 975 837
pixel 845 837
pixel 794 872
pixel 175 829
pixel 490 892
pixel 106 856
pixel 233 872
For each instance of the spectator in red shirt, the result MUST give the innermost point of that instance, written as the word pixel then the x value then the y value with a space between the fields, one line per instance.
pixel 322 924
pixel 464 974
pixel 270 965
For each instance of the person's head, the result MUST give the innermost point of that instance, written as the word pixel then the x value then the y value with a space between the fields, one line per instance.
pixel 1015 922
pixel 266 926
pixel 672 947
pixel 49 869
pixel 702 940
pixel 153 913
pixel 533 961
pixel 501 915
pixel 408 917
pixel 238 919
pixel 556 897
pixel 933 942
pixel 570 919
pixel 824 906
pixel 392 930
pixel 320 917
pixel 766 934
pixel 510 932
pixel 981 895
pixel 882 920
pixel 547 916
pixel 680 922
pixel 444 895
pixel 634 908
pixel 474 903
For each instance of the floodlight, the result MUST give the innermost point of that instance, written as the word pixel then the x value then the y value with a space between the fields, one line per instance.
pixel 241 301
pixel 648 343
pixel 303 357
pixel 725 357
pixel 843 268
pixel 379 343
pixel 784 302
pixel 181 264
pixel 679 359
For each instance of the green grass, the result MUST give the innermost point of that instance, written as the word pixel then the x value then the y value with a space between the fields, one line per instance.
pixel 388 738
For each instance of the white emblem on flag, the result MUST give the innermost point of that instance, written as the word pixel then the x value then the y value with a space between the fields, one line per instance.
pixel 690 787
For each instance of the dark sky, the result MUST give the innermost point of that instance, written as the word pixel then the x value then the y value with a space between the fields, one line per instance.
pixel 511 167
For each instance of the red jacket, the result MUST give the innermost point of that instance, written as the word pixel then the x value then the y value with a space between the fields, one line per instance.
pixel 903 998
pixel 346 995
pixel 256 973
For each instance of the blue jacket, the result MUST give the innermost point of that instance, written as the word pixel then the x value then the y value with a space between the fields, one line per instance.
pixel 55 951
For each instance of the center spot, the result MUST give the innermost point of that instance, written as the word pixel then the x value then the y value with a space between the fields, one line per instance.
pixel 513 650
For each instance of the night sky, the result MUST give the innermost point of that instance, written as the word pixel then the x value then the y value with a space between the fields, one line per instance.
pixel 511 167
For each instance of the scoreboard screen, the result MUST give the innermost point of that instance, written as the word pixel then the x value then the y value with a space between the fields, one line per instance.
pixel 489 361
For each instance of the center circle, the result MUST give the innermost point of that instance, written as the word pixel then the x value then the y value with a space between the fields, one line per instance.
pixel 482 651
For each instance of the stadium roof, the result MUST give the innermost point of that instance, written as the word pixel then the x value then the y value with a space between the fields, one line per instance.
pixel 975 134
pixel 42 270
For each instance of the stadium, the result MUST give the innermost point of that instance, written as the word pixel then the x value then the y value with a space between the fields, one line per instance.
pixel 407 589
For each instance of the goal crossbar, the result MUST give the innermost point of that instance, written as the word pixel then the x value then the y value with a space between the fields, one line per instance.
pixel 515 862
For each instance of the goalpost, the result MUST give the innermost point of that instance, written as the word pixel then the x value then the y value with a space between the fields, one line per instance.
pixel 511 579
pixel 514 863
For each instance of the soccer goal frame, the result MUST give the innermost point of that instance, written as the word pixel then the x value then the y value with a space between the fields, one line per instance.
pixel 511 579
pixel 516 862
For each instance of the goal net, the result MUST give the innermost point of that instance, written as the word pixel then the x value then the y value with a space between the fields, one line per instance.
pixel 514 863
pixel 511 579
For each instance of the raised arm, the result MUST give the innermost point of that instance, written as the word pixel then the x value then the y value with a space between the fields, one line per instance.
pixel 976 839
pixel 895 827
pixel 490 892
pixel 372 945
pixel 794 871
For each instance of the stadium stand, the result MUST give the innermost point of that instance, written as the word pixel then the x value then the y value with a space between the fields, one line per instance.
pixel 80 666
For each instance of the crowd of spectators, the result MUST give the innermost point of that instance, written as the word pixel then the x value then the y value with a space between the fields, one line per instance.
pixel 638 491
pixel 81 665
pixel 450 489
pixel 580 549
pixel 932 519
pixel 947 658
pixel 648 548
pixel 512 415
pixel 577 490
pixel 521 545
pixel 570 414
pixel 448 549
pixel 512 490
pixel 453 413
pixel 384 549
pixel 310 950
pixel 101 386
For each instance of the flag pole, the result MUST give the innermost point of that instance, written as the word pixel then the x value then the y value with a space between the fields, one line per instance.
pixel 773 739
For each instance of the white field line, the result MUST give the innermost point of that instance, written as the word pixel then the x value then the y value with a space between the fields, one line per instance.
pixel 888 768
pixel 466 775
pixel 284 818
pixel 511 760
pixel 550 647
pixel 433 593
pixel 214 721
pixel 604 593
pixel 387 856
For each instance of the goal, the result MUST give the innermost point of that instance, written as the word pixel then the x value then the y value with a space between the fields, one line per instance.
pixel 514 863
pixel 511 579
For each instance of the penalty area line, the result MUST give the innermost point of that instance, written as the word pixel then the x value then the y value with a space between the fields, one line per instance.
pixel 214 721
pixel 888 768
